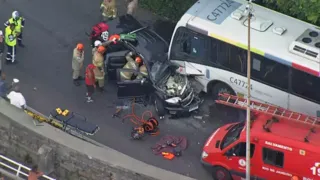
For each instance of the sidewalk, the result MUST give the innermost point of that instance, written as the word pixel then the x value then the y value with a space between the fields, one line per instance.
pixel 160 25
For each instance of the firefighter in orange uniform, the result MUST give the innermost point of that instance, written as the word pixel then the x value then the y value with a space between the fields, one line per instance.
pixel 97 61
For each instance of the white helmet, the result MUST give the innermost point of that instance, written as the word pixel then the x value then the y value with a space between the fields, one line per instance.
pixel 15 15
pixel 1 33
pixel 15 80
pixel 97 43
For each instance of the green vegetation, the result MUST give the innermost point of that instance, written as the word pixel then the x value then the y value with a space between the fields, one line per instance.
pixel 306 10
pixel 171 9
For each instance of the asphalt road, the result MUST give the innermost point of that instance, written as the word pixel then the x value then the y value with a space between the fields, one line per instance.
pixel 53 28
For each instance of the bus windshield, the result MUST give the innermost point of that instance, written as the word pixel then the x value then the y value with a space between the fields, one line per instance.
pixel 232 135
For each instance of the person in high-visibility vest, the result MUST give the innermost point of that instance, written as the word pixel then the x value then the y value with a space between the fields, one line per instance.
pixel 132 6
pixel 97 61
pixel 108 10
pixel 11 42
pixel 131 64
pixel 18 21
pixel 144 72
pixel 77 63
pixel 1 49
pixel 97 43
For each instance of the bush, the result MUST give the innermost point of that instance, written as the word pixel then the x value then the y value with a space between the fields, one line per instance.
pixel 306 10
pixel 171 9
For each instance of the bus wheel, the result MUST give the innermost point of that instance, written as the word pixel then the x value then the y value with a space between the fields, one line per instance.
pixel 220 173
pixel 221 88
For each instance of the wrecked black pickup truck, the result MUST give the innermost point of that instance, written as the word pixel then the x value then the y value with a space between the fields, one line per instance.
pixel 171 90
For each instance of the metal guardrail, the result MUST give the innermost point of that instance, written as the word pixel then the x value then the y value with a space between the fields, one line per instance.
pixel 18 169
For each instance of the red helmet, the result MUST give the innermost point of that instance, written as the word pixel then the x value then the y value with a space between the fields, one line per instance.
pixel 101 49
pixel 80 46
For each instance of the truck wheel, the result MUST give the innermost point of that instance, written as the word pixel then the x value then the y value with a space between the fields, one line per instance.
pixel 220 88
pixel 159 106
pixel 220 173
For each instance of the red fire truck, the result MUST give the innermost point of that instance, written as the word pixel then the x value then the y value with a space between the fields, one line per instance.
pixel 285 145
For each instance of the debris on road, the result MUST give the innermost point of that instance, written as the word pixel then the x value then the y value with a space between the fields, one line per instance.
pixel 198 117
pixel 168 155
pixel 170 144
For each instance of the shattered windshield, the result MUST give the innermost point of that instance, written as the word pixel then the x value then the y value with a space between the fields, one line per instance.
pixel 160 66
pixel 158 70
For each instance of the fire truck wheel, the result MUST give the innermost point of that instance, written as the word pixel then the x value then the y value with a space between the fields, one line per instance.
pixel 220 173
pixel 221 88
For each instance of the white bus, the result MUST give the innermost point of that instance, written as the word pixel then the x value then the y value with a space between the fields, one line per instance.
pixel 211 40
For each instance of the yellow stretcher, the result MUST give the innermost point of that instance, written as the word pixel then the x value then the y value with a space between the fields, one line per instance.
pixel 68 121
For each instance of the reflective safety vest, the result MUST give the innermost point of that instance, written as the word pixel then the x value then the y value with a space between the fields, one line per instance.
pixel 98 73
pixel 10 37
pixel 109 9
pixel 97 59
pixel 94 50
pixel 17 23
pixel 127 75
pixel 143 70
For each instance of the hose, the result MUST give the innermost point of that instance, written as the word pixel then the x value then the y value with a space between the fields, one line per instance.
pixel 143 121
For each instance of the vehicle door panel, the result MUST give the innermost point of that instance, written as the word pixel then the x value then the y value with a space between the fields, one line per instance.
pixel 235 162
pixel 131 88
pixel 115 61
pixel 236 158
pixel 257 164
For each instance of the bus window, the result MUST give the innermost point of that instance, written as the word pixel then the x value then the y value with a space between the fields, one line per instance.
pixel 305 85
pixel 190 46
pixel 239 150
pixel 232 58
pixel 270 72
pixel 273 157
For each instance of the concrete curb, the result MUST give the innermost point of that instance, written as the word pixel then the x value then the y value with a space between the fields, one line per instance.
pixel 93 150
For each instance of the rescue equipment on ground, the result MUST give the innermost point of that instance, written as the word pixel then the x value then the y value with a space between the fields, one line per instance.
pixel 70 122
pixel 170 144
pixel 128 37
pixel 168 155
pixel 275 111
pixel 144 125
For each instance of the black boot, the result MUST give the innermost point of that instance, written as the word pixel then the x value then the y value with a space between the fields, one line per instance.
pixel 101 89
pixel 20 44
pixel 76 83
pixel 80 78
